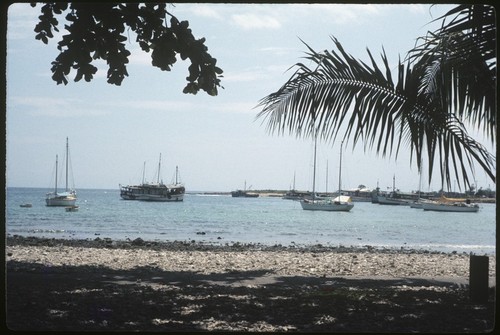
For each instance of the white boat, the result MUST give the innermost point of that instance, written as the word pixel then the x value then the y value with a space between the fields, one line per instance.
pixel 340 203
pixel 451 207
pixel 155 191
pixel 66 198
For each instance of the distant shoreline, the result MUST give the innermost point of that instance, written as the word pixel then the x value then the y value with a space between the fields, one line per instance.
pixel 268 193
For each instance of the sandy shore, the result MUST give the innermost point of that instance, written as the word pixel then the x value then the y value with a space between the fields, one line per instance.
pixel 251 287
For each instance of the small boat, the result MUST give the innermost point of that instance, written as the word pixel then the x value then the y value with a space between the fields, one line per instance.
pixel 155 191
pixel 72 208
pixel 67 198
pixel 27 205
pixel 341 203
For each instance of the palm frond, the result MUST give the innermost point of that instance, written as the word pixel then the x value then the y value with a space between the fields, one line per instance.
pixel 341 93
pixel 461 59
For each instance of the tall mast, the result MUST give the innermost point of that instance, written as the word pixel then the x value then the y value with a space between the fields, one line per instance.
pixel 314 170
pixel 326 186
pixel 340 169
pixel 176 173
pixel 55 191
pixel 143 171
pixel 159 165
pixel 67 159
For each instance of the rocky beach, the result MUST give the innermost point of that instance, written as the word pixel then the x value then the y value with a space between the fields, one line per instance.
pixel 136 285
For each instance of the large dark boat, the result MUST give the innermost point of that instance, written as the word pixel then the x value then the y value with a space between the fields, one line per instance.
pixel 244 193
pixel 154 191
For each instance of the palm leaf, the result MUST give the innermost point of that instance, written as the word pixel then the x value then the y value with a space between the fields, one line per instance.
pixel 345 94
pixel 461 65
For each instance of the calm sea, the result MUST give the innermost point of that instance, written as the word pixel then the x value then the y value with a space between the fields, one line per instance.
pixel 269 221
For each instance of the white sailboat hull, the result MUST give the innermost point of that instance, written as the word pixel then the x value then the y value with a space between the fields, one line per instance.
pixel 453 207
pixel 335 205
pixel 60 200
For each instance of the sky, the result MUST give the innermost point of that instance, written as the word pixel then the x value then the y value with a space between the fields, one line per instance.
pixel 117 133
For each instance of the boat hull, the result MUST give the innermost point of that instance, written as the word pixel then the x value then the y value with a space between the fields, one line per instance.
pixel 244 194
pixel 321 205
pixel 460 208
pixel 161 198
pixel 389 201
pixel 60 201
pixel 417 205
pixel 154 193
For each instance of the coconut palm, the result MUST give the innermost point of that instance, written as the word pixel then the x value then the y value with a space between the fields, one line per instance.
pixel 446 84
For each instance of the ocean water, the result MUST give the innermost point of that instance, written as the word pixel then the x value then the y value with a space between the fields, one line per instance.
pixel 225 220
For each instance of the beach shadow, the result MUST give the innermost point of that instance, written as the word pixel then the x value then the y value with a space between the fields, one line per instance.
pixel 90 298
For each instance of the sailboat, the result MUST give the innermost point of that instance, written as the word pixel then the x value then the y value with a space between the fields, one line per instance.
pixel 66 198
pixel 393 198
pixel 341 203
pixel 293 194
pixel 154 191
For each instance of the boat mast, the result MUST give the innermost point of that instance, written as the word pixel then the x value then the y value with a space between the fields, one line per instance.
pixel 67 159
pixel 143 171
pixel 159 165
pixel 340 169
pixel 55 191
pixel 176 173
pixel 314 170
pixel 326 187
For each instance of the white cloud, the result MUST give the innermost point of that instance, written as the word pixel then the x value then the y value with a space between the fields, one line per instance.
pixel 418 8
pixel 55 107
pixel 206 11
pixel 338 13
pixel 245 75
pixel 21 20
pixel 255 21
pixel 277 51
pixel 157 105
